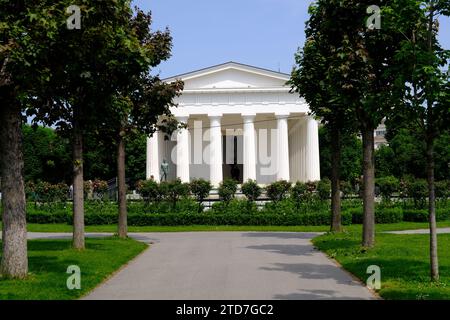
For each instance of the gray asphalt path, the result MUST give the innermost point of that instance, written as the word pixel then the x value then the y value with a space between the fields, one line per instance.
pixel 230 265
pixel 226 266
pixel 420 231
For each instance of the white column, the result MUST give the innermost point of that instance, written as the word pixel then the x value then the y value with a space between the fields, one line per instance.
pixel 282 147
pixel 303 150
pixel 215 150
pixel 249 147
pixel 183 159
pixel 153 157
pixel 312 159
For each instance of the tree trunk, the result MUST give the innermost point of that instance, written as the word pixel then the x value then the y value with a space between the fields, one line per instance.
pixel 368 188
pixel 431 133
pixel 336 225
pixel 14 263
pixel 78 187
pixel 122 197
pixel 434 271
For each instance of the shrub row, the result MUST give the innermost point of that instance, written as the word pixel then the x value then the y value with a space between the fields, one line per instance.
pixel 415 215
pixel 182 219
pixel 395 215
pixel 213 217
pixel 391 215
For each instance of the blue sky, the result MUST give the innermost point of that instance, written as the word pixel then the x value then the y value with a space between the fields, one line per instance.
pixel 263 33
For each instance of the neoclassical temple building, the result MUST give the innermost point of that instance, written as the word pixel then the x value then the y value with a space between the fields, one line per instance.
pixel 242 123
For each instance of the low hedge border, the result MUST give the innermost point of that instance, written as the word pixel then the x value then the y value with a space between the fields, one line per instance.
pixel 395 215
pixel 181 219
pixel 422 215
pixel 391 215
pixel 235 214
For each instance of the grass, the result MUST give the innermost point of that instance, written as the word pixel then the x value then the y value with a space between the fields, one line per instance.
pixel 113 228
pixel 48 262
pixel 403 259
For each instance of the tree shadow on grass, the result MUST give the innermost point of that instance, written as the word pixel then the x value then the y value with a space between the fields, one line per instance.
pixel 61 244
pixel 48 245
pixel 400 269
pixel 42 263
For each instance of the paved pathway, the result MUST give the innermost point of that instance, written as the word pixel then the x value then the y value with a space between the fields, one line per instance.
pixel 230 266
pixel 420 231
pixel 226 266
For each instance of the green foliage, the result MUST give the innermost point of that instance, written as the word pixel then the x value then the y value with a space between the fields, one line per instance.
pixel 200 188
pixel 278 190
pixel 251 190
pixel 149 190
pixel 324 189
pixel 231 219
pixel 175 190
pixel 382 215
pixel 234 207
pixel 46 155
pixel 405 272
pixel 351 155
pixel 422 215
pixel 47 257
pixel 418 191
pixel 443 189
pixel 346 188
pixel 136 157
pixel 47 193
pixel 227 189
pixel 298 193
pixel 388 185
pixel 105 212
pixel 385 161
pixel 405 153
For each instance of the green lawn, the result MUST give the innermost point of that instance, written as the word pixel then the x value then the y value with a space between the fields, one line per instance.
pixel 48 262
pixel 403 259
pixel 112 228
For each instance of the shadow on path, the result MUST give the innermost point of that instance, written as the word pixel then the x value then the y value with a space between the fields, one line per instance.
pixel 310 271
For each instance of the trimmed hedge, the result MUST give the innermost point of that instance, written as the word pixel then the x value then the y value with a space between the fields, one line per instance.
pixel 385 215
pixel 42 217
pixel 236 212
pixel 421 215
pixel 237 220
pixel 180 219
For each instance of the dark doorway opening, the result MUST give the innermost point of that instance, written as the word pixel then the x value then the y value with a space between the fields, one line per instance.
pixel 231 166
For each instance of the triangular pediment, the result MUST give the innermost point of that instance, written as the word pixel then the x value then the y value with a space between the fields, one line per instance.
pixel 232 75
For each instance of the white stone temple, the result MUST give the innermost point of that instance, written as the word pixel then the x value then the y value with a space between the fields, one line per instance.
pixel 242 123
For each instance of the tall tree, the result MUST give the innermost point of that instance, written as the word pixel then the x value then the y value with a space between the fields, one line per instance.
pixel 360 63
pixel 421 61
pixel 27 30
pixel 311 79
pixel 91 63
pixel 141 112
pixel 137 104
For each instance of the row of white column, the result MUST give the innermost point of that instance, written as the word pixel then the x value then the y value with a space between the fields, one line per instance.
pixel 216 159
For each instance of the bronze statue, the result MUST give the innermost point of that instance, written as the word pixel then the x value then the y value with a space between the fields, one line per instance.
pixel 164 170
